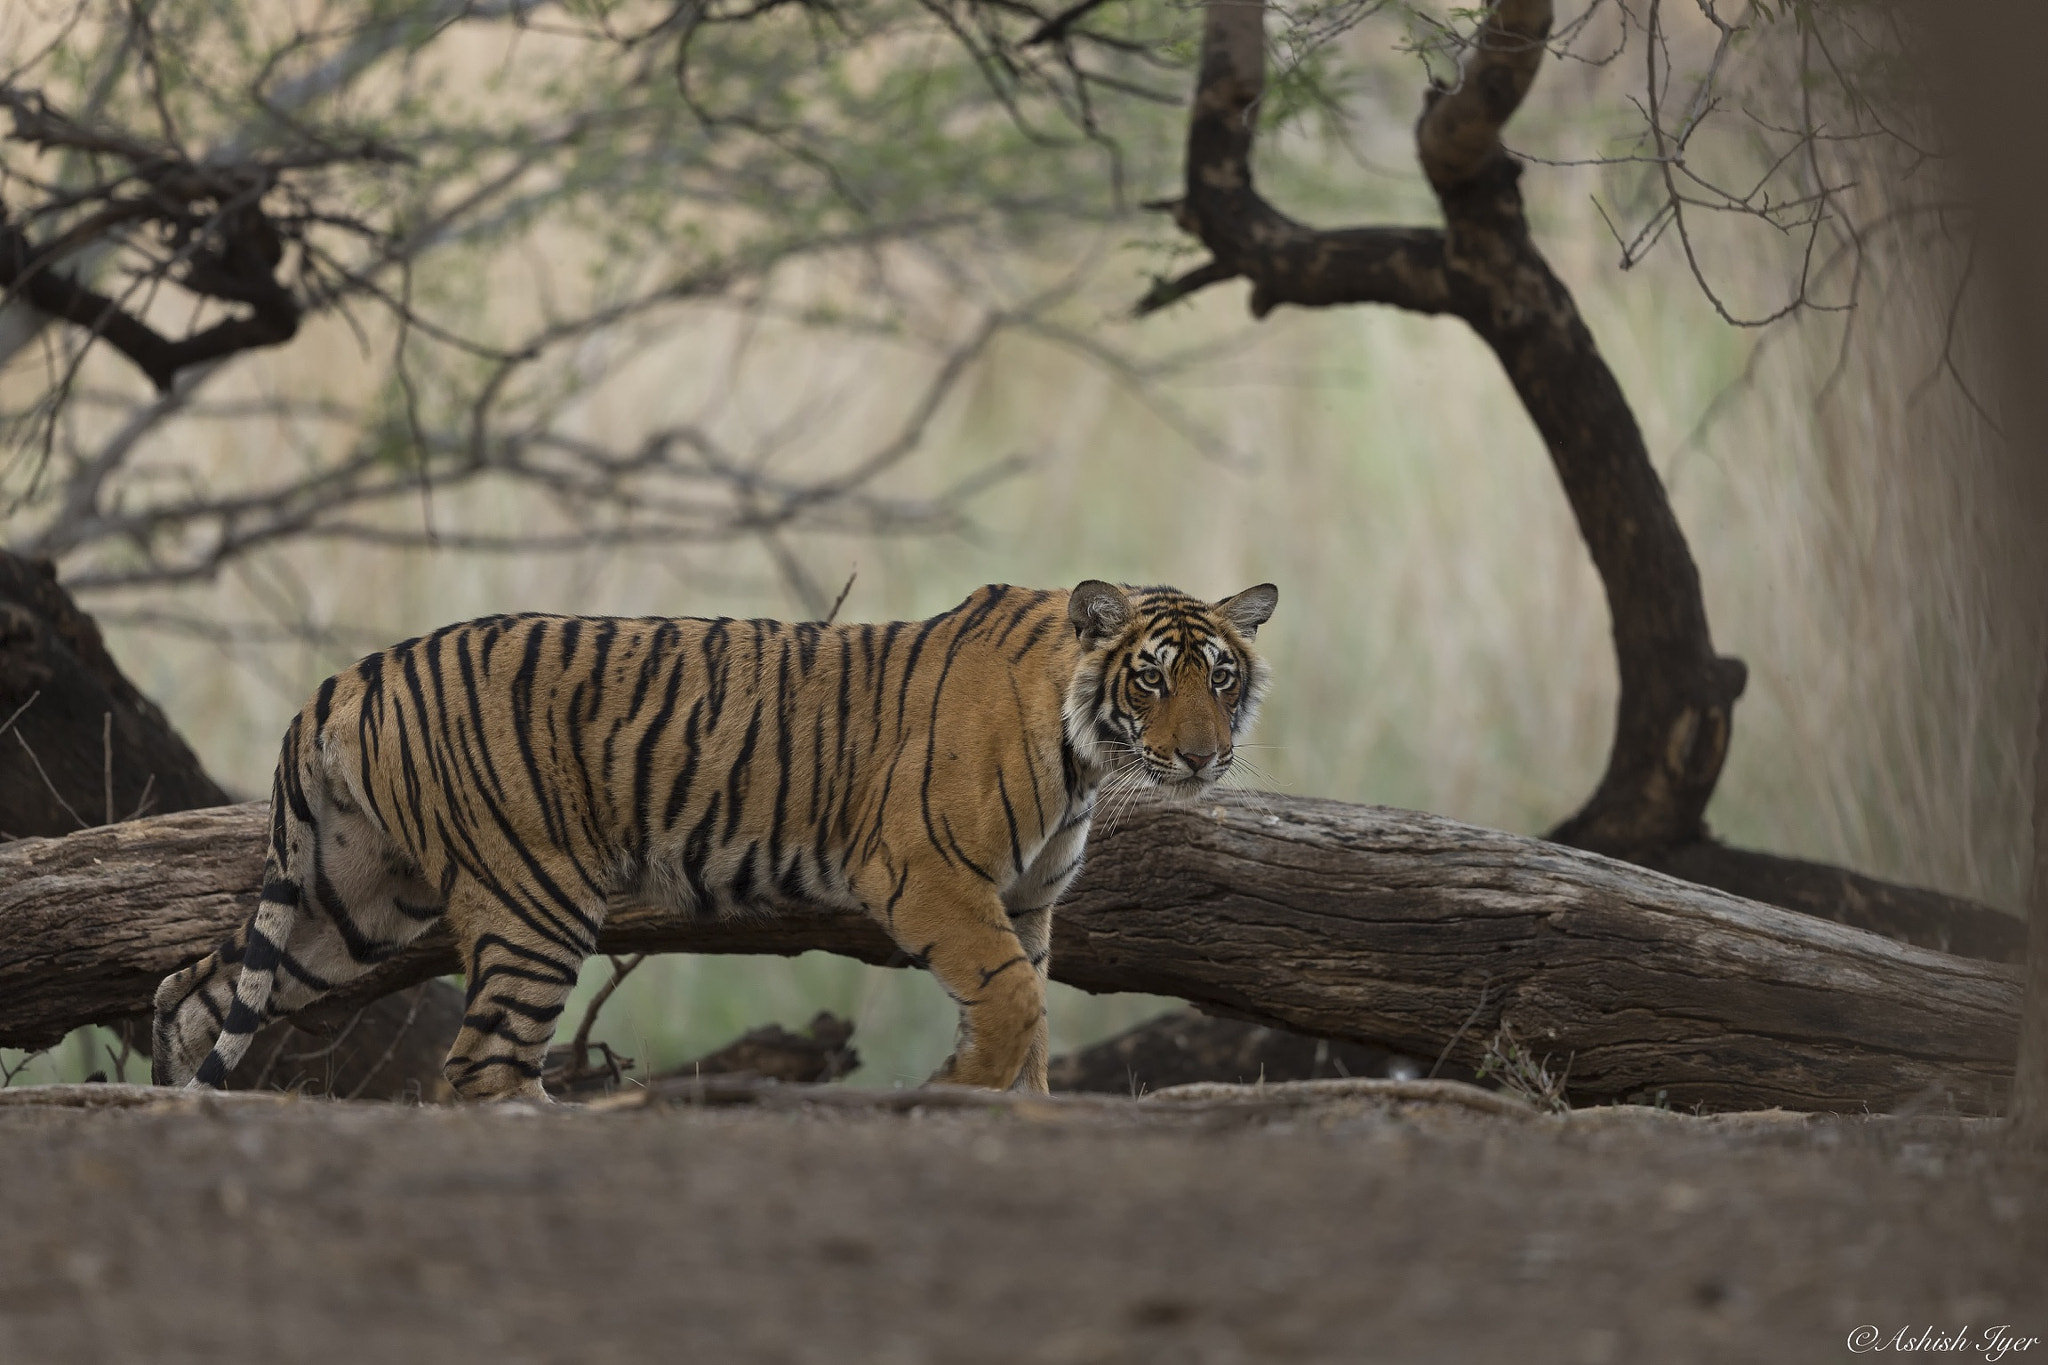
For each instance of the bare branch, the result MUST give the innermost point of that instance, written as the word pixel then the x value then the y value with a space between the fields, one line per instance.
pixel 1460 129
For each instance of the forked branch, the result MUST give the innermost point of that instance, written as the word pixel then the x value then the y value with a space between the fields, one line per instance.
pixel 1677 694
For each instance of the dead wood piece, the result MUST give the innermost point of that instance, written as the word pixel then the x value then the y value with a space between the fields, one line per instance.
pixel 755 1091
pixel 1183 1047
pixel 1358 923
pixel 737 1089
pixel 114 1095
pixel 823 1052
pixel 818 1056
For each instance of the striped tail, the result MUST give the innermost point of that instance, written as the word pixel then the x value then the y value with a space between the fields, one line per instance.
pixel 270 928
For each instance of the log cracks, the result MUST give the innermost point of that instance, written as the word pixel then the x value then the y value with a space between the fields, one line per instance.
pixel 1677 695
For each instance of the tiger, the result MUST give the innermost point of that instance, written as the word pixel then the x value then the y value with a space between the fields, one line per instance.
pixel 510 775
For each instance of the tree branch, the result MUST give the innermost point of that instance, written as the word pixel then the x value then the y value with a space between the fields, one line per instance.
pixel 240 274
pixel 1459 132
pixel 1677 695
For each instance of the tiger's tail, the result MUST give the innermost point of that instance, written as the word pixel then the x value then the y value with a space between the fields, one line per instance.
pixel 207 1013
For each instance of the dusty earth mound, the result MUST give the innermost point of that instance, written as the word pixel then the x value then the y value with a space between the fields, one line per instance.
pixel 1313 1226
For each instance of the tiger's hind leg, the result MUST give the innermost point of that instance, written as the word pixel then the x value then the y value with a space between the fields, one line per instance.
pixel 341 903
pixel 521 953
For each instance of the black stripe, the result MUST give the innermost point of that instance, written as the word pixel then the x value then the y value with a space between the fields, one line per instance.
pixel 311 979
pixel 716 647
pixel 323 704
pixel 1010 815
pixel 643 758
pixel 1030 641
pixel 960 854
pixel 242 1018
pixel 686 775
pixel 784 758
pixel 743 879
pixel 989 974
pixel 470 1067
pixel 260 954
pixel 736 777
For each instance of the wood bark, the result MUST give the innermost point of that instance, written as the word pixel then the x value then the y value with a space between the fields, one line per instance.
pixel 1910 914
pixel 1350 922
pixel 2030 1097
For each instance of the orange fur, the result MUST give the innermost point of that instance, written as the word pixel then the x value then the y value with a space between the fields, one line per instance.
pixel 513 773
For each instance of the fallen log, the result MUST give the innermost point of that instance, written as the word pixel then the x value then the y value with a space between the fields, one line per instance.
pixel 1351 922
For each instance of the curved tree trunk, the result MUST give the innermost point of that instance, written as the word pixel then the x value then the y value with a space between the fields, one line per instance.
pixel 1673 720
pixel 1674 717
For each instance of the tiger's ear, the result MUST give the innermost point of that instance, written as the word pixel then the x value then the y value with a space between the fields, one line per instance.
pixel 1097 610
pixel 1250 609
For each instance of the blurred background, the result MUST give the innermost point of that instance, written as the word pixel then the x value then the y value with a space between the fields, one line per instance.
pixel 961 339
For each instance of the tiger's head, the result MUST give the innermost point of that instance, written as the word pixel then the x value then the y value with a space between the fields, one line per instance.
pixel 1166 682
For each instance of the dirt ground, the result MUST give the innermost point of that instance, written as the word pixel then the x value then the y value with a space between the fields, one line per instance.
pixel 1110 1231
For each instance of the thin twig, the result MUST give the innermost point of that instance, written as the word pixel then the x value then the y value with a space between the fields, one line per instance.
pixel 142 805
pixel 107 760
pixel 579 1067
pixel 49 784
pixel 840 600
pixel 1457 1037
pixel 8 724
pixel 419 995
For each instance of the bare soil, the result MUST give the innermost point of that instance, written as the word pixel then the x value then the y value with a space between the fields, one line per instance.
pixel 251 1228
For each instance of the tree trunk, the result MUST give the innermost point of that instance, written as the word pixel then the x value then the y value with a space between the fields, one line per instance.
pixel 1985 90
pixel 86 748
pixel 2030 1080
pixel 1351 922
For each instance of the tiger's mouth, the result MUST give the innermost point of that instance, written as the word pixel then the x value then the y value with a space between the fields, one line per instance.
pixel 1177 782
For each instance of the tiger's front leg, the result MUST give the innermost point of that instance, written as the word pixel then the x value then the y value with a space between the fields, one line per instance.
pixel 956 926
pixel 1034 934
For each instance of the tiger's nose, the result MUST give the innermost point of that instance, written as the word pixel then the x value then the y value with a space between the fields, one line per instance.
pixel 1196 762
